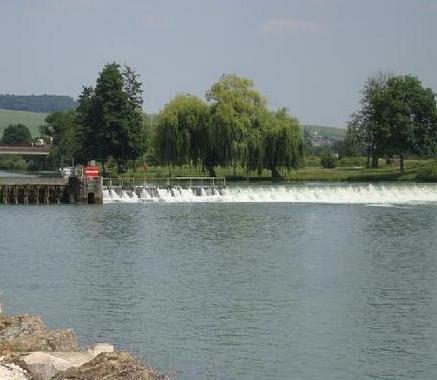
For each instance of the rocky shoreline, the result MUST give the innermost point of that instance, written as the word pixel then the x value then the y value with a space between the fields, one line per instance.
pixel 31 351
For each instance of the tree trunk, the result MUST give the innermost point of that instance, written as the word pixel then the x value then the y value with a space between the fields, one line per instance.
pixel 375 160
pixel 211 170
pixel 401 163
pixel 368 157
pixel 275 173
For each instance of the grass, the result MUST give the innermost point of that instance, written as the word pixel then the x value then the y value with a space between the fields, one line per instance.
pixel 346 170
pixel 31 120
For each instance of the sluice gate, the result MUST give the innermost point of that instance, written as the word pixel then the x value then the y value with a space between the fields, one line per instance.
pixel 50 190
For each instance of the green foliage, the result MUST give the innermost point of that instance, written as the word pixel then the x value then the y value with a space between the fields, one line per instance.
pixel 398 116
pixel 181 131
pixel 62 127
pixel 352 161
pixel 328 161
pixel 236 114
pixel 427 174
pixel 234 129
pixel 16 134
pixel 283 146
pixel 111 123
pixel 13 163
pixel 408 114
pixel 352 144
pixel 37 103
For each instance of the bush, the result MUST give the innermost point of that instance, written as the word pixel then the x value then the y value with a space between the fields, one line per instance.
pixel 312 161
pixel 427 174
pixel 328 161
pixel 13 163
pixel 16 134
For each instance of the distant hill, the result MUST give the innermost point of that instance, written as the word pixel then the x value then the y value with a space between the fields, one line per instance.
pixel 31 120
pixel 37 103
pixel 331 133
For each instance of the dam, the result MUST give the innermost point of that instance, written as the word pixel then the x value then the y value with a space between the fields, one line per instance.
pixel 96 190
pixel 132 190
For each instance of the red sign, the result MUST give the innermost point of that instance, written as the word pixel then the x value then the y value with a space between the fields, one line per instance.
pixel 91 171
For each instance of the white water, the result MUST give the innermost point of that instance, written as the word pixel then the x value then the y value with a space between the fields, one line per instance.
pixel 385 194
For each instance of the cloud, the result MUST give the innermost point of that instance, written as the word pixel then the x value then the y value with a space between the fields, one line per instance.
pixel 288 25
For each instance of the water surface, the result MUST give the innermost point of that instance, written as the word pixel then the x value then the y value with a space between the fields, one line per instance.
pixel 236 290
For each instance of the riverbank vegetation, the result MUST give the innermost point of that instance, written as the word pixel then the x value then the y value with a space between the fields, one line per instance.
pixel 232 127
pixel 231 132
pixel 398 117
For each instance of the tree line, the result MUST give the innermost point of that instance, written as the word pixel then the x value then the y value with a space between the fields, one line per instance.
pixel 36 103
pixel 232 127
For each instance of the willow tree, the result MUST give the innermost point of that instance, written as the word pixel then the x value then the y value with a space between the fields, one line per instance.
pixel 181 134
pixel 283 145
pixel 234 129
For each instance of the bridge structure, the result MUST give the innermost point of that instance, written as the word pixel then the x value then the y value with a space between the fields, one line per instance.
pixel 24 150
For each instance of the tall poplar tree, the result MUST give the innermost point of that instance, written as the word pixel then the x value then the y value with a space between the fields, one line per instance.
pixel 110 117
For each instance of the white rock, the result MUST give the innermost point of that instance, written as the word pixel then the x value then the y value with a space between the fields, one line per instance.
pixel 12 372
pixel 98 348
pixel 45 365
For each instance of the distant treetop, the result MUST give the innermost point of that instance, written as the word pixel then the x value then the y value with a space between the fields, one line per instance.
pixel 37 103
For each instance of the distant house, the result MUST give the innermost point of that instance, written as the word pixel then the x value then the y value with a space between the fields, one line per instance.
pixel 317 140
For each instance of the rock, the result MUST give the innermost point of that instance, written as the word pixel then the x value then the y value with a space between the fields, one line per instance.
pixel 27 333
pixel 110 366
pixel 11 371
pixel 98 348
pixel 45 366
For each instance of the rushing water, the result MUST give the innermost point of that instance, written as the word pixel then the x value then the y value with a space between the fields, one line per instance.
pixel 307 193
pixel 309 282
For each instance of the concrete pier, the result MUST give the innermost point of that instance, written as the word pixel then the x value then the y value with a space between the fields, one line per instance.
pixel 51 190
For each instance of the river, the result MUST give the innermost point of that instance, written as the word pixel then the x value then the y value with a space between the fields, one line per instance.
pixel 266 282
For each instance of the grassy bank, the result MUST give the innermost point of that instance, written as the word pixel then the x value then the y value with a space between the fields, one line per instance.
pixel 346 170
pixel 31 120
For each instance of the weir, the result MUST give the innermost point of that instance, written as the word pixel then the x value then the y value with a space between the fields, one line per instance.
pixel 156 189
pixel 386 194
pixel 96 190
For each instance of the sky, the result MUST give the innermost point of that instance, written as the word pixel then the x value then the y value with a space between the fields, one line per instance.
pixel 310 56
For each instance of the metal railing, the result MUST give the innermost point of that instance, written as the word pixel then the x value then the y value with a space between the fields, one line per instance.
pixel 184 182
pixel 52 181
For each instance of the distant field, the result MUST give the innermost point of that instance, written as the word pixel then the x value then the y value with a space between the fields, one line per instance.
pixel 332 133
pixel 31 120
